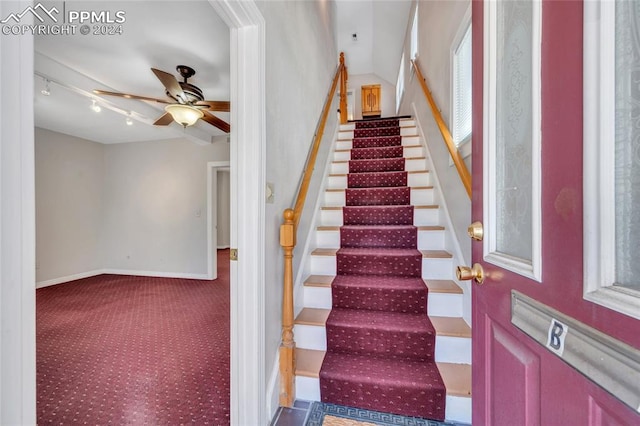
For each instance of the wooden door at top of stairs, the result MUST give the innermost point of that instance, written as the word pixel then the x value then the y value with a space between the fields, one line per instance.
pixel 528 195
pixel 370 95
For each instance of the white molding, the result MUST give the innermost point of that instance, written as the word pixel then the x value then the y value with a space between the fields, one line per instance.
pixel 248 224
pixel 211 255
pixel 66 279
pixel 606 361
pixel 273 388
pixel 531 269
pixel 599 163
pixel 17 226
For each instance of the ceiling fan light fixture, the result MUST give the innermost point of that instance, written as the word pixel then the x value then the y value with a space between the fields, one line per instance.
pixel 186 115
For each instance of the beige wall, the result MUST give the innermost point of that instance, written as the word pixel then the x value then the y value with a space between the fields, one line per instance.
pixel 135 207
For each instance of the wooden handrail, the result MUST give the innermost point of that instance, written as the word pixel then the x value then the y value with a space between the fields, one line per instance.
pixel 461 167
pixel 288 232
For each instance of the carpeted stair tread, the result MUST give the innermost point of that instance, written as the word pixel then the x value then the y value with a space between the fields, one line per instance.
pixel 393 122
pixel 378 165
pixel 377 152
pixel 410 388
pixel 378 215
pixel 377 179
pixel 378 196
pixel 379 261
pixel 377 141
pixel 394 236
pixel 379 292
pixel 380 333
pixel 376 131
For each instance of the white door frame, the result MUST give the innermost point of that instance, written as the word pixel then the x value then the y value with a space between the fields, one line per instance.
pixel 17 218
pixel 247 157
pixel 213 167
pixel 17 227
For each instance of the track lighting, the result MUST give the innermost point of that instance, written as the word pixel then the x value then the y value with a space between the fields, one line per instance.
pixel 95 107
pixel 46 91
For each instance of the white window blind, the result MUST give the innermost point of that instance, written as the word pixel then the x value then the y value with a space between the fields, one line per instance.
pixel 462 89
pixel 400 85
pixel 414 34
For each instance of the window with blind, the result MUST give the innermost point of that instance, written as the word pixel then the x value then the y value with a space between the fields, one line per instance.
pixel 400 85
pixel 461 120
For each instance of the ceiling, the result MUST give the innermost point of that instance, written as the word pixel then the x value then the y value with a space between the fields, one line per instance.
pixel 159 34
pixel 163 34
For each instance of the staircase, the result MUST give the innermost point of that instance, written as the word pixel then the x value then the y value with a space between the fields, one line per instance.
pixel 364 338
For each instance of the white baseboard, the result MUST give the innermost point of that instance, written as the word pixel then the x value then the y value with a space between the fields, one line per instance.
pixel 88 274
pixel 157 274
pixel 68 278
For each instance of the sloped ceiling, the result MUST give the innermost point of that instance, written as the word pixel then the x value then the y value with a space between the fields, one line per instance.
pixel 380 26
pixel 159 34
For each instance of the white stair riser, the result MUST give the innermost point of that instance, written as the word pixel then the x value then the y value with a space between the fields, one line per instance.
pixel 406 141
pixel 419 197
pixel 323 265
pixel 437 269
pixel 445 305
pixel 410 165
pixel 317 297
pixel 413 179
pixel 456 350
pixel 347 127
pixel 345 134
pixel 310 337
pixel 407 123
pixel 458 409
pixel 409 131
pixel 408 152
pixel 421 217
pixel 427 240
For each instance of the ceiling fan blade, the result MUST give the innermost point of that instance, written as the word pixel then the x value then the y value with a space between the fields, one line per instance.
pixel 222 106
pixel 217 122
pixel 172 85
pixel 164 120
pixel 129 96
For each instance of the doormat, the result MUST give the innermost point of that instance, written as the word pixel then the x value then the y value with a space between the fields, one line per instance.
pixel 324 414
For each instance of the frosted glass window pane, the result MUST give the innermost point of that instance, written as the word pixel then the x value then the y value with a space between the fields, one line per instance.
pixel 514 128
pixel 627 150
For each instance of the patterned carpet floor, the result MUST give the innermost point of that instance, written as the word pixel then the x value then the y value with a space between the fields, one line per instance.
pixel 127 350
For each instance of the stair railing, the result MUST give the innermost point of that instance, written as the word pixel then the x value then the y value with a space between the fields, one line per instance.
pixel 458 161
pixel 288 232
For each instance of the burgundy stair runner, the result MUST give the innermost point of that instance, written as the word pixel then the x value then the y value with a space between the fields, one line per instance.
pixel 380 342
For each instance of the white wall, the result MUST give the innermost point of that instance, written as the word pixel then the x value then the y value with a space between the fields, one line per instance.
pixel 69 205
pixel 137 208
pixel 301 59
pixel 387 94
pixel 438 23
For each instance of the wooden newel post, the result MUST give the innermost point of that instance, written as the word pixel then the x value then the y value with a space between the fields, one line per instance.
pixel 287 345
pixel 343 90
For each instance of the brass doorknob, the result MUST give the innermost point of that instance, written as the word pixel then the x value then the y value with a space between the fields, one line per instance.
pixel 476 231
pixel 475 273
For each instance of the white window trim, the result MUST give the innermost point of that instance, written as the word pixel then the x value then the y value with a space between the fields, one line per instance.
pixel 599 163
pixel 400 83
pixel 530 269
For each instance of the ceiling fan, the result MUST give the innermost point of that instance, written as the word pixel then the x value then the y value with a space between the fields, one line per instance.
pixel 189 105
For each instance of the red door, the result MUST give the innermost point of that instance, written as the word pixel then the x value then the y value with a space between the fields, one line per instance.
pixel 531 206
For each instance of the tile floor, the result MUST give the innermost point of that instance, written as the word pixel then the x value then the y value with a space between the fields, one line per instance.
pixel 295 416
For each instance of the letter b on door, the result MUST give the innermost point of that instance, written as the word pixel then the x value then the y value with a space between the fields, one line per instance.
pixel 555 338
